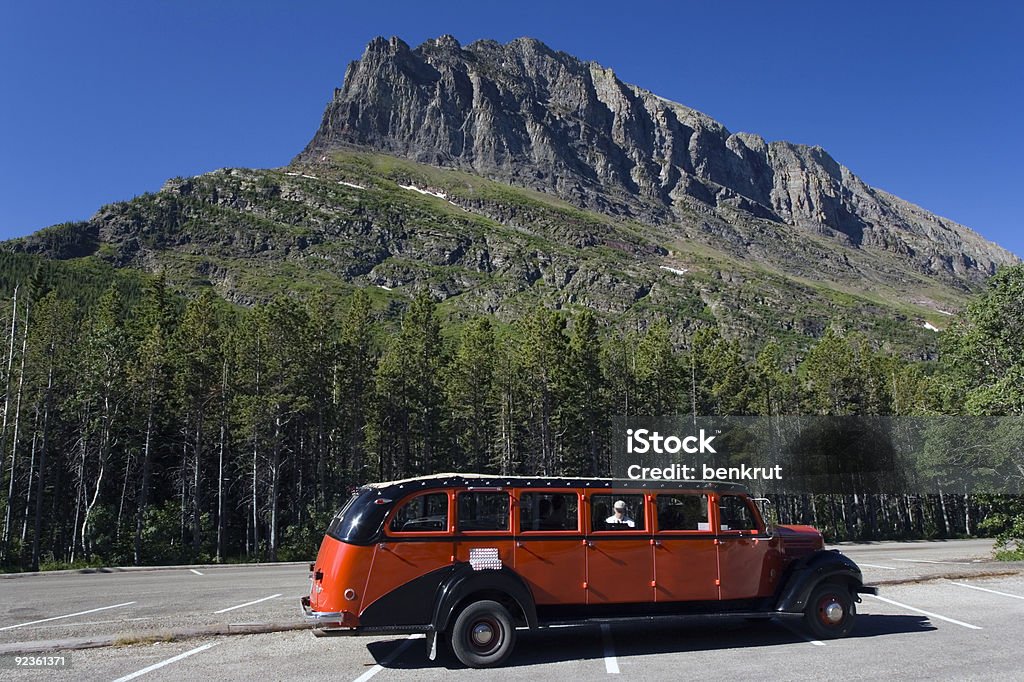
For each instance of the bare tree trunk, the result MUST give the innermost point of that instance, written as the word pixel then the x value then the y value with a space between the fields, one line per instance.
pixel 545 435
pixel 14 439
pixel 40 481
pixel 183 479
pixel 10 368
pixel 298 474
pixel 124 491
pixel 140 513
pixel 946 530
pixel 320 493
pixel 79 492
pixel 507 412
pixel 17 422
pixel 86 547
pixel 255 457
pixel 196 501
pixel 275 484
pixel 255 493
pixel 220 460
pixel 248 534
pixel 28 484
pixel 220 494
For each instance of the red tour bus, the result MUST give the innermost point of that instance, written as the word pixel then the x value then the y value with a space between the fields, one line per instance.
pixel 473 557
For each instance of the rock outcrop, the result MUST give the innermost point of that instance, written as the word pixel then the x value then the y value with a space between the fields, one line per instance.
pixel 530 116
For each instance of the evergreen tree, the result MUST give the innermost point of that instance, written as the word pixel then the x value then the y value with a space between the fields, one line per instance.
pixel 49 361
pixel 100 403
pixel 324 383
pixel 473 407
pixel 586 411
pixel 408 399
pixel 719 378
pixel 544 351
pixel 830 377
pixel 249 416
pixel 983 350
pixel 659 384
pixel 197 383
pixel 775 392
pixel 286 397
pixel 149 376
pixel 355 386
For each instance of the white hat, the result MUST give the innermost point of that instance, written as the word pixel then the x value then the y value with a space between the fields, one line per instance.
pixel 620 504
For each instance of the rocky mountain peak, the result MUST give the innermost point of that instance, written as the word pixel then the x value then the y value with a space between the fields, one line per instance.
pixel 525 114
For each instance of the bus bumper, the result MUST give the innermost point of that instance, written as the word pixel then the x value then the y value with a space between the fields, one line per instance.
pixel 328 619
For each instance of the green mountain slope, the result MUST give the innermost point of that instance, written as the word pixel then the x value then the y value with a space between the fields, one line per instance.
pixel 393 226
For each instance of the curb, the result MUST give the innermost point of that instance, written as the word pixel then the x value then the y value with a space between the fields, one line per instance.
pixel 963 575
pixel 123 639
pixel 141 569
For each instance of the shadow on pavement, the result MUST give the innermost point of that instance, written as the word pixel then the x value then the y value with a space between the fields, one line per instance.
pixel 873 625
pixel 584 642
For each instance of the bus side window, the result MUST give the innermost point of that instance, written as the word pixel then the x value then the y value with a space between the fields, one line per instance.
pixel 735 514
pixel 548 511
pixel 683 512
pixel 422 514
pixel 617 512
pixel 483 511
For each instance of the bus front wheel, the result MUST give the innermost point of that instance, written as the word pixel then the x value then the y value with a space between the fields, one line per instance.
pixel 483 635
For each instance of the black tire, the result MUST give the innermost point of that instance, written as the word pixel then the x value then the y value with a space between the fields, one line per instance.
pixel 831 611
pixel 483 635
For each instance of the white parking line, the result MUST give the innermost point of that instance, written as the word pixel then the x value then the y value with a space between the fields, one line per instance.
pixel 888 568
pixel 985 589
pixel 927 613
pixel 151 668
pixel 91 622
pixel 69 615
pixel 929 561
pixel 611 663
pixel 387 661
pixel 797 632
pixel 248 603
pixel 195 571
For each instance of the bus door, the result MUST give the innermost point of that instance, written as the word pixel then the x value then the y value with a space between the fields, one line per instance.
pixel 549 553
pixel 483 528
pixel 684 547
pixel 620 566
pixel 748 558
pixel 417 540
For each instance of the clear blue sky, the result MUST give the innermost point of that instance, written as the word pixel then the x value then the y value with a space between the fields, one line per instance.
pixel 100 101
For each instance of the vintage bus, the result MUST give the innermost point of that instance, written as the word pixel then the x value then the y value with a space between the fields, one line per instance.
pixel 474 557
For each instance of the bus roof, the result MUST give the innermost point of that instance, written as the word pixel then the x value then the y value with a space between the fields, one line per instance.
pixel 471 480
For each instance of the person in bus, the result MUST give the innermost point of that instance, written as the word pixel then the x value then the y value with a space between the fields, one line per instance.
pixel 619 515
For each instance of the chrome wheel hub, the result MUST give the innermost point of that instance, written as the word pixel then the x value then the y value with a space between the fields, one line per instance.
pixel 833 612
pixel 482 634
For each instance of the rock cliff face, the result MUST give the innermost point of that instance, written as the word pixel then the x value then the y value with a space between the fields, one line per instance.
pixel 527 115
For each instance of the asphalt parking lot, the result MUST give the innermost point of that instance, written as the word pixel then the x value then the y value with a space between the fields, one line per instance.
pixel 961 626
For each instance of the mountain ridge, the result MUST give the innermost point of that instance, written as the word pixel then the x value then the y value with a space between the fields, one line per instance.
pixel 526 114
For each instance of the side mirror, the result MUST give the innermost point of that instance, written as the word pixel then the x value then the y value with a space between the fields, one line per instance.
pixel 767 514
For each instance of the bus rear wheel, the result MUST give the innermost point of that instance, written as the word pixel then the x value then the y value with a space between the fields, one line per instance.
pixel 483 635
